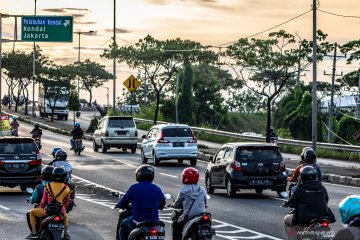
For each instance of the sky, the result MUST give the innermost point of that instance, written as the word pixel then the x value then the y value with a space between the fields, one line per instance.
pixel 210 22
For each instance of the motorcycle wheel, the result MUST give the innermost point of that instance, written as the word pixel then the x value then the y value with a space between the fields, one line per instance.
pixel 44 235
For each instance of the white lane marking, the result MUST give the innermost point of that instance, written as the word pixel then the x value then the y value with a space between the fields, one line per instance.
pixel 169 175
pixel 93 201
pixel 125 163
pixel 5 208
pixel 95 184
pixel 341 185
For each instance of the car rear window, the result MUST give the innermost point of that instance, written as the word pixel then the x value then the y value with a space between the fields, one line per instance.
pixel 17 148
pixel 121 123
pixel 177 132
pixel 257 154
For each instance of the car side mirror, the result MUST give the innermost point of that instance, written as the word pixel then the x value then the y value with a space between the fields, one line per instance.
pixel 211 158
pixel 144 137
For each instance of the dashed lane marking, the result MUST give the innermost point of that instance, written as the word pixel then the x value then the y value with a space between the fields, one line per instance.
pixel 5 208
pixel 169 175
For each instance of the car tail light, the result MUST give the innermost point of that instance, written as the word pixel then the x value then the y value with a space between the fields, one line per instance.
pixel 154 232
pixel 205 218
pixel 57 218
pixel 35 162
pixel 136 133
pixel 282 167
pixel 237 166
pixel 194 139
pixel 161 139
pixel 324 224
pixel 106 133
pixel 2 163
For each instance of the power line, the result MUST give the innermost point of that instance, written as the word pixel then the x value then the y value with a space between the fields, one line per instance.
pixel 337 14
pixel 292 19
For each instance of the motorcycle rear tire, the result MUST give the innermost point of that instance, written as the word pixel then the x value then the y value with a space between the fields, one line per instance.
pixel 44 235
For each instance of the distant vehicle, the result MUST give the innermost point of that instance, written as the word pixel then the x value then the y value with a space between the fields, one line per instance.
pixel 115 131
pixel 251 134
pixel 61 109
pixel 243 165
pixel 20 162
pixel 169 141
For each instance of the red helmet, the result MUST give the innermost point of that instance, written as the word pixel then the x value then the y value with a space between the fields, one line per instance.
pixel 190 176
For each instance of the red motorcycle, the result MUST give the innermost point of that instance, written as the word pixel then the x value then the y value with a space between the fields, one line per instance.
pixel 37 140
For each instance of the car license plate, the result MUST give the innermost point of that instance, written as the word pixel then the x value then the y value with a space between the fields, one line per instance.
pixel 17 166
pixel 178 144
pixel 121 133
pixel 206 232
pixel 154 238
pixel 260 182
pixel 55 226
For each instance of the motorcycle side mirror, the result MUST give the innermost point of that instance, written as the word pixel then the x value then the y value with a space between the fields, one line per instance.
pixel 115 194
pixel 167 196
pixel 211 159
pixel 144 137
pixel 208 197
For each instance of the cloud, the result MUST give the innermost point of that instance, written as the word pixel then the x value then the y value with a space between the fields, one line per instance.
pixel 118 30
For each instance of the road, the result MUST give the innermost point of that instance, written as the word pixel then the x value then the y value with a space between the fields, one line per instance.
pixel 247 215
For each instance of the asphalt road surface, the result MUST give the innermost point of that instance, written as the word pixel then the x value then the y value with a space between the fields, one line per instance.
pixel 246 216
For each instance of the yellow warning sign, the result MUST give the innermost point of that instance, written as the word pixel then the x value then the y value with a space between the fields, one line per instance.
pixel 132 83
pixel 4 123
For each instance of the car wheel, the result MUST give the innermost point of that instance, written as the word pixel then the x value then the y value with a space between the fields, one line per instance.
pixel 259 190
pixel 193 162
pixel 180 160
pixel 143 158
pixel 156 161
pixel 104 148
pixel 95 147
pixel 209 188
pixel 124 149
pixel 230 191
pixel 23 188
pixel 133 150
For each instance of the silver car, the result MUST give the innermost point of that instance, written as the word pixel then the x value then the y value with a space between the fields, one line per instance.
pixel 115 131
pixel 169 141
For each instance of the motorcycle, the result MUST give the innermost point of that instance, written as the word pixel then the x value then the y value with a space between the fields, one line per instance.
pixel 78 146
pixel 197 227
pixel 273 141
pixel 148 230
pixel 14 132
pixel 37 140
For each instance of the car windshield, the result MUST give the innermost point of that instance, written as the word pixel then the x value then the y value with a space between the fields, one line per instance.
pixel 177 132
pixel 257 154
pixel 121 123
pixel 17 148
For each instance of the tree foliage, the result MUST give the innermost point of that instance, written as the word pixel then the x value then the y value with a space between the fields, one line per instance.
pixel 348 127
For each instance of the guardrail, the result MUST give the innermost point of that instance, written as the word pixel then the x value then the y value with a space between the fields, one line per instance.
pixel 332 146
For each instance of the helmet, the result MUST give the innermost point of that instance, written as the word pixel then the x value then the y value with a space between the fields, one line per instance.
pixel 303 152
pixel 37 125
pixel 14 118
pixel 145 172
pixel 60 155
pixel 55 149
pixel 308 173
pixel 77 124
pixel 309 156
pixel 190 176
pixel 46 173
pixel 59 174
pixel 349 207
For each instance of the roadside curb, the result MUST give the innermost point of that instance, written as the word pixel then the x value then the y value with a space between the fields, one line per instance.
pixel 331 178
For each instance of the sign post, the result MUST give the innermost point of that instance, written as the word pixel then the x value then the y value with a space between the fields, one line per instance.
pixel 47 28
pixel 131 84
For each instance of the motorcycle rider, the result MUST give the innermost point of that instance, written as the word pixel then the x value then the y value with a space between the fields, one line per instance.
pixel 296 174
pixel 349 209
pixel 46 176
pixel 191 199
pixel 37 131
pixel 146 199
pixel 52 189
pixel 14 126
pixel 309 202
pixel 310 160
pixel 76 133
pixel 55 149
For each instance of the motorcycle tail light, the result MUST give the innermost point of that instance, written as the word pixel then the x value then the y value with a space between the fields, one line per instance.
pixel 153 232
pixel 205 218
pixel 325 224
pixel 57 218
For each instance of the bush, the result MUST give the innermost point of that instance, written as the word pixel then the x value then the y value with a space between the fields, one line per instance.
pixel 93 124
pixel 284 133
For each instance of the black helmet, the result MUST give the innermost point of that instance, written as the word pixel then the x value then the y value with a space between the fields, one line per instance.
pixel 37 125
pixel 309 156
pixel 303 152
pixel 59 174
pixel 60 155
pixel 145 172
pixel 46 173
pixel 308 173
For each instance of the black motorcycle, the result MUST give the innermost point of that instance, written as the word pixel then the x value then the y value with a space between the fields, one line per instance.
pixel 148 230
pixel 78 146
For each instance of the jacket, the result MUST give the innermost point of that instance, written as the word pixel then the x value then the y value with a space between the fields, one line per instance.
pixel 309 202
pixel 77 133
pixel 38 193
pixel 191 194
pixel 63 199
pixel 146 199
pixel 36 132
pixel 294 177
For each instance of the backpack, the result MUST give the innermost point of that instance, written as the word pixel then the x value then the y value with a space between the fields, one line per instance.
pixel 54 207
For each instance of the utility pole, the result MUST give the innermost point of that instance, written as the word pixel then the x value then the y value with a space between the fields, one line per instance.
pixel 177 99
pixel 331 106
pixel 33 84
pixel 358 100
pixel 114 61
pixel 314 87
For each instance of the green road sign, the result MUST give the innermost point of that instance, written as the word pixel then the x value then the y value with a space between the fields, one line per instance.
pixel 47 28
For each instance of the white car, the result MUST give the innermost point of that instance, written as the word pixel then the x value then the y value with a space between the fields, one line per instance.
pixel 169 141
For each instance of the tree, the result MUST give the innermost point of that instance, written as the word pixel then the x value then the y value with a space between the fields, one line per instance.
pixel 266 65
pixel 348 127
pixel 186 104
pixel 74 104
pixel 160 59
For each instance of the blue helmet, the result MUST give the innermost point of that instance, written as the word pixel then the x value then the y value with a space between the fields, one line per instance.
pixel 55 149
pixel 349 207
pixel 14 118
pixel 77 124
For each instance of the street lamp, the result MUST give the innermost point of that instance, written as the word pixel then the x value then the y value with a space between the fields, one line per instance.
pixel 79 33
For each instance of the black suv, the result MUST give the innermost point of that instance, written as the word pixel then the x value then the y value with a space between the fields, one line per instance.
pixel 256 166
pixel 20 162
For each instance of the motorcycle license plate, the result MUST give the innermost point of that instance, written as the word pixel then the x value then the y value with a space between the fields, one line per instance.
pixel 55 226
pixel 154 238
pixel 206 232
